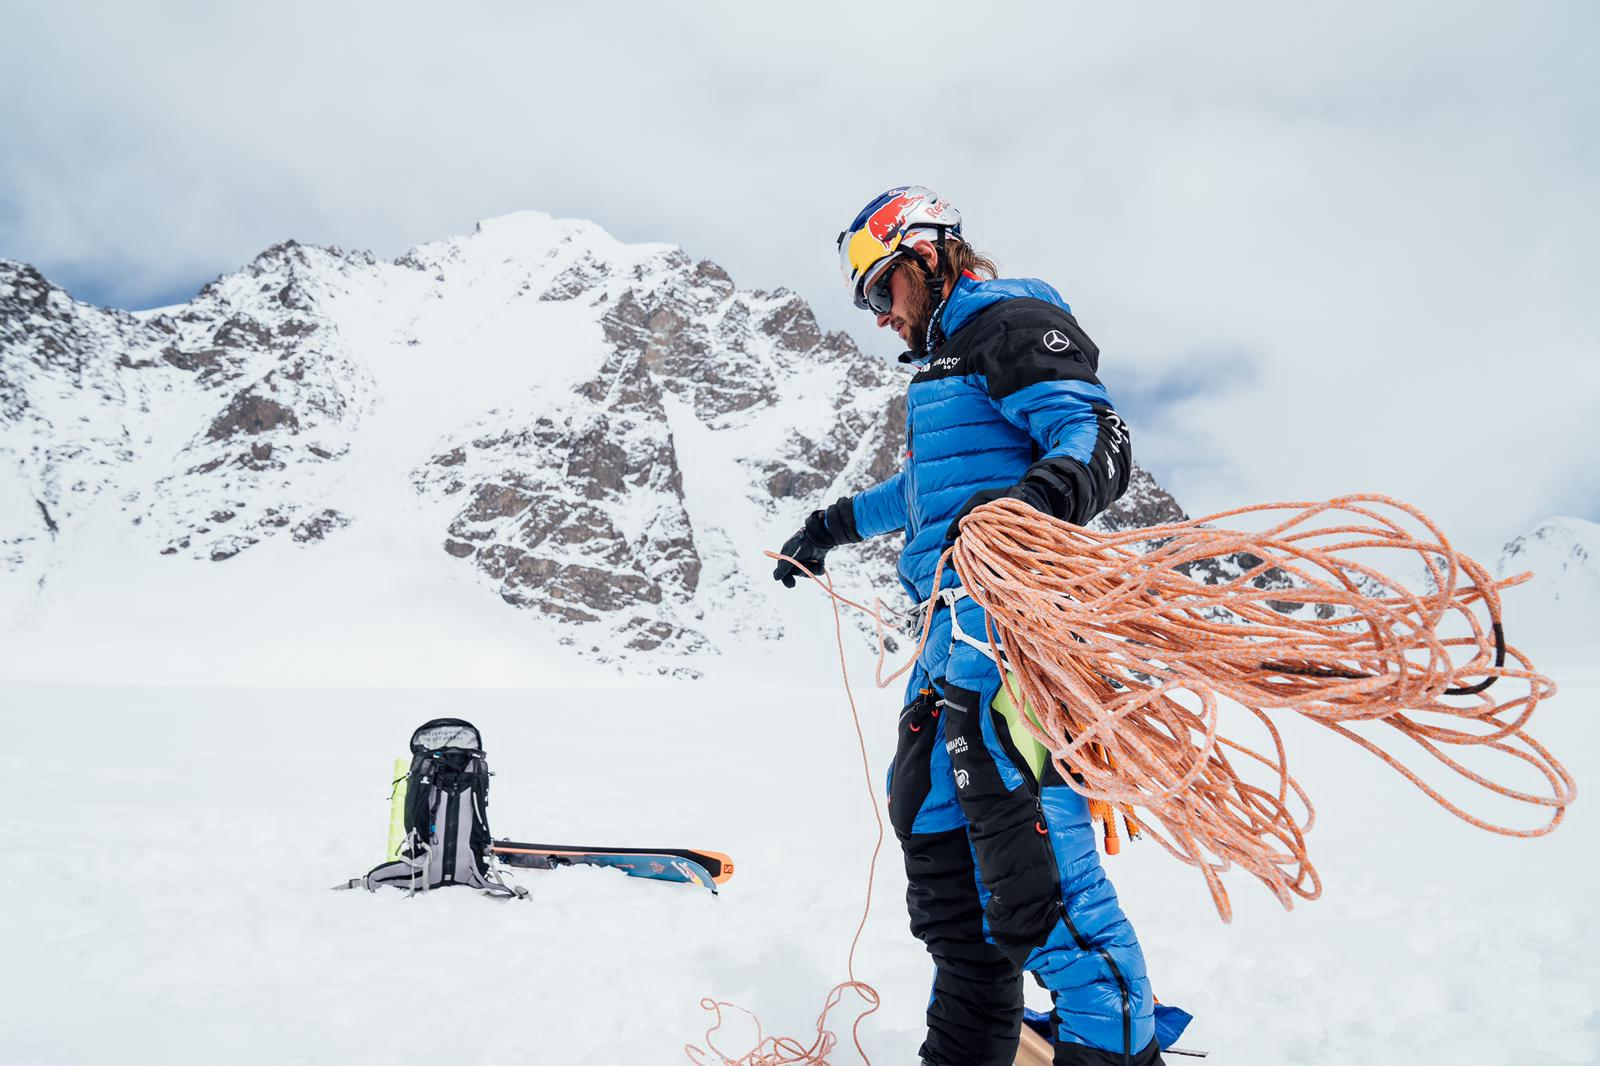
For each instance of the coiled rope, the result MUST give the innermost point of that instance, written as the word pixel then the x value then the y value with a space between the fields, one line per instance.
pixel 1129 660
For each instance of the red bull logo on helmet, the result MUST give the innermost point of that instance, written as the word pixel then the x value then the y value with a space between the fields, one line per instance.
pixel 885 222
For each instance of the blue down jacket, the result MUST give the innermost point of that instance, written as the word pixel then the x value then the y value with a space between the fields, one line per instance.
pixel 1009 396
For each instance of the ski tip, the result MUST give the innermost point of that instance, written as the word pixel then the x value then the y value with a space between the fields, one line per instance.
pixel 726 872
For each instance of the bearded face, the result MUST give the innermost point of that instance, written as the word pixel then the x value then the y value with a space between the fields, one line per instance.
pixel 912 304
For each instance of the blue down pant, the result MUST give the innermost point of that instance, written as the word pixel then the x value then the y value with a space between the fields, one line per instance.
pixel 1003 878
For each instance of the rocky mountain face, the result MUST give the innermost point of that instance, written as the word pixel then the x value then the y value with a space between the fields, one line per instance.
pixel 602 434
pixel 207 423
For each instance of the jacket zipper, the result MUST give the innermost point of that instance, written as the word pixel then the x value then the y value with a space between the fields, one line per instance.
pixel 911 475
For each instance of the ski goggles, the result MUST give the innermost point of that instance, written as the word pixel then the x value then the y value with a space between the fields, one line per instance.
pixel 863 258
pixel 876 295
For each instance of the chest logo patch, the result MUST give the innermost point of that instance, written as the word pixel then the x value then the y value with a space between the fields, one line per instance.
pixel 1056 341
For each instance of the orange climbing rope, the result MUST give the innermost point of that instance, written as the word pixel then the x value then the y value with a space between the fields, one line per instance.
pixel 1130 661
pixel 784 1050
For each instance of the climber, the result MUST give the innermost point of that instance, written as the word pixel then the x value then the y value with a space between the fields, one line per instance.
pixel 1003 875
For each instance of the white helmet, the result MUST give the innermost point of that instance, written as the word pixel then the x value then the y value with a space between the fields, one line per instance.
pixel 884 231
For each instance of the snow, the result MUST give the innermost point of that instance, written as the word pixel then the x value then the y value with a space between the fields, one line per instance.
pixel 171 867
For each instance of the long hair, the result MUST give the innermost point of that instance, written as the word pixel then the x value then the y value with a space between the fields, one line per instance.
pixel 960 258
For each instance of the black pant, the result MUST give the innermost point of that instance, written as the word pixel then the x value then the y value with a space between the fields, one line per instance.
pixel 975 1011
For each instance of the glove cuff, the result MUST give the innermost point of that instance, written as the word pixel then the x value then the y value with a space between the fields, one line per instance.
pixel 1032 495
pixel 1051 490
pixel 816 531
pixel 841 521
pixel 833 527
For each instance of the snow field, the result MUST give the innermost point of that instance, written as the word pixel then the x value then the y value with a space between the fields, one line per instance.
pixel 167 885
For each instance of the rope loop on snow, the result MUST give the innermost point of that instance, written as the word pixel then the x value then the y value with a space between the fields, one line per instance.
pixel 788 1051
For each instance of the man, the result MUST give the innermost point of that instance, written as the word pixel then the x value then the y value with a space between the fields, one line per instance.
pixel 999 851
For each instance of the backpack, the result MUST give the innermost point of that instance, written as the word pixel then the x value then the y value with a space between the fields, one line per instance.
pixel 446 815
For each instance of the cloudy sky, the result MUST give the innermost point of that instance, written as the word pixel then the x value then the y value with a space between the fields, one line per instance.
pixel 1344 250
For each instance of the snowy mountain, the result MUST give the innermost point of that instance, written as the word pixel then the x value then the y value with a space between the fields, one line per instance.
pixel 1558 612
pixel 605 435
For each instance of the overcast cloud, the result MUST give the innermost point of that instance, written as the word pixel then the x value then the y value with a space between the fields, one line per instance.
pixel 1349 249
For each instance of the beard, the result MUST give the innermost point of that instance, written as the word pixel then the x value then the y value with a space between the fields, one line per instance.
pixel 918 315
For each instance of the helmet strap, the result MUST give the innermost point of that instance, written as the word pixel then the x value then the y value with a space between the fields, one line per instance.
pixel 934 277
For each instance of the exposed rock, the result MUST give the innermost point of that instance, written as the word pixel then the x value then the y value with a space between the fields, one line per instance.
pixel 793 325
pixel 252 413
pixel 208 363
pixel 491 502
pixel 228 547
pixel 576 280
pixel 319 525
pixel 241 332
pixel 890 451
pixel 693 345
pixel 592 524
pixel 714 278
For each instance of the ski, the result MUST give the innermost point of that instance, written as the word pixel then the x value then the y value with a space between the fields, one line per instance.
pixel 707 869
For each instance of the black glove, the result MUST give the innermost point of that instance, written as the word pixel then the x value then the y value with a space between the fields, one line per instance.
pixel 1022 490
pixel 823 531
pixel 809 547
